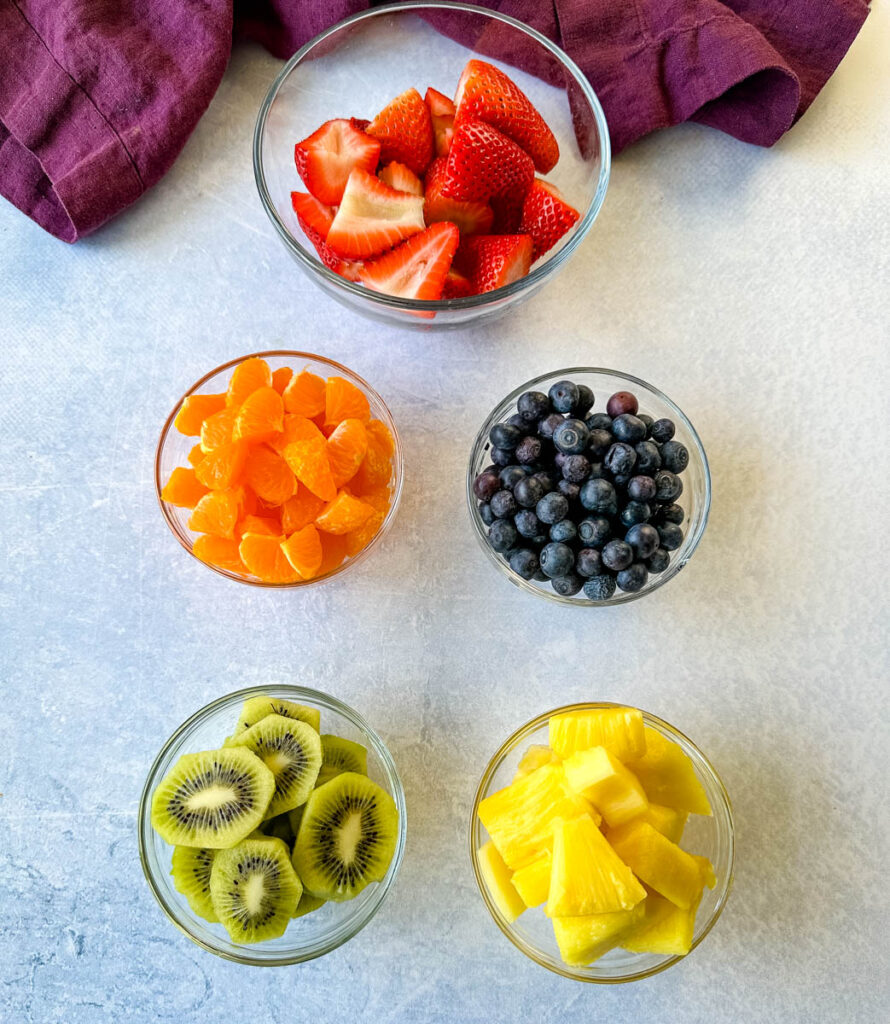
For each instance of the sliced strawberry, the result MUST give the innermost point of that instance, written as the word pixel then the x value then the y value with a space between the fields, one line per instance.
pixel 546 216
pixel 492 261
pixel 507 214
pixel 416 269
pixel 471 218
pixel 326 158
pixel 316 229
pixel 401 178
pixel 483 163
pixel 373 217
pixel 456 285
pixel 486 94
pixel 310 211
pixel 360 123
pixel 442 113
pixel 405 131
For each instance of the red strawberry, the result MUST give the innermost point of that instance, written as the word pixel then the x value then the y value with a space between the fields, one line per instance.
pixel 326 157
pixel 492 261
pixel 401 178
pixel 486 94
pixel 483 163
pixel 416 269
pixel 315 219
pixel 373 217
pixel 471 218
pixel 405 131
pixel 507 214
pixel 546 216
pixel 456 286
pixel 442 113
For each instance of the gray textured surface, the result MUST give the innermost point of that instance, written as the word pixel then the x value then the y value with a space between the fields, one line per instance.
pixel 752 287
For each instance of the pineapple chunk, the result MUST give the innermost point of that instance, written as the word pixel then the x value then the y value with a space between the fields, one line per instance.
pixel 587 876
pixel 602 779
pixel 668 777
pixel 706 869
pixel 661 864
pixel 533 881
pixel 582 940
pixel 619 730
pixel 665 820
pixel 497 879
pixel 665 929
pixel 535 757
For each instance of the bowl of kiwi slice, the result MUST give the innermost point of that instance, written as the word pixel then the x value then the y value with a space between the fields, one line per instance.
pixel 272 825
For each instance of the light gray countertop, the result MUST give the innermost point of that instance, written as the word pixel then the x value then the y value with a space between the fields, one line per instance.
pixel 752 287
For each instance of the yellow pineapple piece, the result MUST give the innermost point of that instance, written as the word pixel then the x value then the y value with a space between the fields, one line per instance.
pixel 535 757
pixel 663 819
pixel 661 864
pixel 603 780
pixel 533 881
pixel 582 940
pixel 619 730
pixel 587 876
pixel 668 777
pixel 665 928
pixel 706 870
pixel 497 879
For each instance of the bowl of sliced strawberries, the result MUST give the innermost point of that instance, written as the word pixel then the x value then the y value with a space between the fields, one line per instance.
pixel 279 469
pixel 431 164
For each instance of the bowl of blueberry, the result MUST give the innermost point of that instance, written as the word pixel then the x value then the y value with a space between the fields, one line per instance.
pixel 589 487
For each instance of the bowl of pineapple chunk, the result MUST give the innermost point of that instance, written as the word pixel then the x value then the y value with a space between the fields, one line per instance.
pixel 602 842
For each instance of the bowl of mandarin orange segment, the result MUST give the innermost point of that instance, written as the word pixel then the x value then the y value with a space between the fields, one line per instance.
pixel 279 469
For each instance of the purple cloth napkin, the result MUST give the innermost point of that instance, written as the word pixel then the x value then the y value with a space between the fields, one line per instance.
pixel 97 97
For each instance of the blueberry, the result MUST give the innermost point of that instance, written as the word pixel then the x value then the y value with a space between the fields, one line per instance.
pixel 641 488
pixel 527 523
pixel 662 430
pixel 620 459
pixel 647 421
pixel 600 588
pixel 502 535
pixel 485 513
pixel 568 585
pixel 528 450
pixel 552 508
pixel 557 559
pixel 617 554
pixel 501 457
pixel 511 475
pixel 635 512
pixel 576 469
pixel 485 485
pixel 628 428
pixel 599 442
pixel 546 480
pixel 571 436
pixel 671 536
pixel 622 402
pixel 648 458
pixel 594 531
pixel 670 514
pixel 524 563
pixel 644 540
pixel 668 486
pixel 532 405
pixel 599 495
pixel 541 576
pixel 559 459
pixel 564 531
pixel 517 421
pixel 502 435
pixel 633 578
pixel 564 396
pixel 596 470
pixel 539 540
pixel 548 424
pixel 599 421
pixel 584 403
pixel 621 480
pixel 529 492
pixel 674 456
pixel 492 468
pixel 588 562
pixel 570 490
pixel 503 504
pixel 659 561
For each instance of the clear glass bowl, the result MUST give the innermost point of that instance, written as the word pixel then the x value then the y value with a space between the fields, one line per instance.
pixel 173 449
pixel 306 937
pixel 713 837
pixel 356 67
pixel 695 499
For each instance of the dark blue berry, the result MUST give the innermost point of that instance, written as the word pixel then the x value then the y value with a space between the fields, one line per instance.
pixel 659 561
pixel 599 442
pixel 532 405
pixel 502 435
pixel 501 456
pixel 640 488
pixel 524 563
pixel 671 536
pixel 617 554
pixel 541 576
pixel 517 421
pixel 596 471
pixel 674 456
pixel 556 559
pixel 644 540
pixel 621 480
pixel 588 562
pixel 571 436
pixel 647 421
pixel 633 578
pixel 620 459
pixel 539 540
pixel 599 421
pixel 564 395
pixel 511 475
pixel 600 588
pixel 576 469
pixel 552 508
pixel 622 402
pixel 648 458
pixel 528 450
pixel 527 523
pixel 485 513
pixel 529 492
pixel 585 401
pixel 492 468
pixel 485 485
pixel 662 430
pixel 503 504
pixel 502 535
pixel 594 531
pixel 599 495
pixel 668 486
pixel 629 429
pixel 570 490
pixel 546 480
pixel 548 424
pixel 568 585
pixel 635 512
pixel 670 514
pixel 564 531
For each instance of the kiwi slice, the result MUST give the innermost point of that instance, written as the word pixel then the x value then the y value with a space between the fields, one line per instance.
pixel 191 876
pixel 212 799
pixel 254 889
pixel 295 817
pixel 292 751
pixel 257 708
pixel 339 755
pixel 347 837
pixel 280 827
pixel 308 903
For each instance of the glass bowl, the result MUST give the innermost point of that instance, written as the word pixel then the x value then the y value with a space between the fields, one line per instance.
pixel 695 499
pixel 712 837
pixel 306 937
pixel 356 67
pixel 173 449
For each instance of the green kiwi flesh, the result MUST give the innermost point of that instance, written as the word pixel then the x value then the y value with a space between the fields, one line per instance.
pixel 191 876
pixel 279 827
pixel 308 903
pixel 257 708
pixel 339 755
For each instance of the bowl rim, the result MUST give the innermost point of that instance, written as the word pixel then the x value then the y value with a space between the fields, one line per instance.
pixel 325 702
pixel 345 566
pixel 620 597
pixel 723 885
pixel 536 275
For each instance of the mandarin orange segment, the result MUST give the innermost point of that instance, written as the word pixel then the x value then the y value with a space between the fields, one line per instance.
pixel 305 394
pixel 281 378
pixel 333 546
pixel 344 401
pixel 380 432
pixel 183 488
pixel 303 550
pixel 300 510
pixel 194 410
pixel 346 449
pixel 309 462
pixel 216 430
pixel 257 524
pixel 375 470
pixel 358 540
pixel 219 551
pixel 378 498
pixel 296 428
pixel 196 454
pixel 260 417
pixel 217 513
pixel 253 373
pixel 262 555
pixel 222 467
pixel 269 476
pixel 344 514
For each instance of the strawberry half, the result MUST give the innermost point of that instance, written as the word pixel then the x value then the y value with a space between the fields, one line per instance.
pixel 492 261
pixel 416 269
pixel 456 285
pixel 483 163
pixel 442 114
pixel 405 131
pixel 401 178
pixel 546 216
pixel 471 218
pixel 326 158
pixel 486 94
pixel 373 217
pixel 507 214
pixel 315 219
